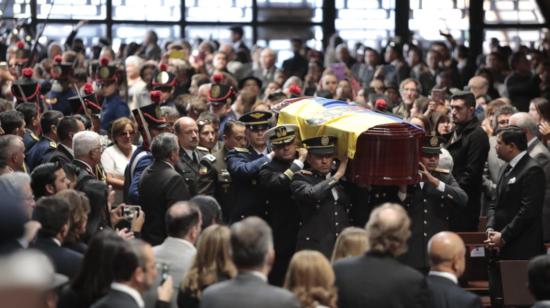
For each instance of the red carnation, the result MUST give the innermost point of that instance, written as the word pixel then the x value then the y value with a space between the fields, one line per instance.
pixel 104 61
pixel 155 96
pixel 88 89
pixel 295 90
pixel 27 72
pixel 163 67
pixel 58 59
pixel 381 104
pixel 20 44
pixel 217 77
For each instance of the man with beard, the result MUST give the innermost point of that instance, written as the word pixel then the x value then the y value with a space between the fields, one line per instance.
pixel 275 178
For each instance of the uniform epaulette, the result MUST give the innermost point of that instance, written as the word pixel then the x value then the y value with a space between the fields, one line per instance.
pixel 209 158
pixel 241 150
pixel 441 170
pixel 34 137
pixel 53 145
pixel 306 172
pixel 202 149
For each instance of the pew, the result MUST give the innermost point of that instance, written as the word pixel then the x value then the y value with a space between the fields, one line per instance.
pixel 514 283
pixel 475 277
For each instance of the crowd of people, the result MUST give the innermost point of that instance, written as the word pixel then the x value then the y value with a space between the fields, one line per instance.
pixel 158 176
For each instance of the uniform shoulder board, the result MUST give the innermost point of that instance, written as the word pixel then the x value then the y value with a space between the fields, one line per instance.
pixel 209 158
pixel 305 172
pixel 34 137
pixel 202 149
pixel 53 145
pixel 441 170
pixel 242 150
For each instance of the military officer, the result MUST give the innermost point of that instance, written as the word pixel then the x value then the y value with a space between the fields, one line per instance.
pixel 322 202
pixel 62 88
pixel 213 168
pixel 429 204
pixel 275 177
pixel 244 165
pixel 26 90
pixel 190 153
pixel 48 141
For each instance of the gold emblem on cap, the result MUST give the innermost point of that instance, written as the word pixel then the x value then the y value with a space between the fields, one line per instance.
pixel 434 141
pixel 257 115
pixel 163 77
pixel 104 72
pixel 324 140
pixel 281 132
pixel 215 91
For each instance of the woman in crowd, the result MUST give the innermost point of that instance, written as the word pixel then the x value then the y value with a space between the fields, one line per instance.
pixel 207 134
pixel 212 264
pixel 115 158
pixel 409 90
pixel 539 109
pixel 351 242
pixel 80 207
pixel 311 278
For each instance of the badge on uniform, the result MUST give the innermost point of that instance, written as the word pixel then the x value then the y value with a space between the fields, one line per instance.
pixel 203 170
pixel 512 180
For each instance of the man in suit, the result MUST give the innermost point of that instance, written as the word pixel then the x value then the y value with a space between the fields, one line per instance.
pixel 446 251
pixel 267 69
pixel 538 273
pixel 244 165
pixel 377 279
pixel 183 227
pixel 32 123
pixel 53 214
pixel 12 152
pixel 275 178
pixel 190 153
pixel 429 204
pixel 48 141
pixel 541 154
pixel 252 253
pixel 48 179
pixel 323 204
pixel 514 226
pixel 66 129
pixel 87 151
pixel 161 186
pixel 468 146
pixel 134 272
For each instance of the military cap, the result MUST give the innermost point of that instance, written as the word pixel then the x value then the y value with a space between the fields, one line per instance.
pixel 282 134
pixel 93 105
pixel 322 145
pixel 60 69
pixel 245 79
pixel 432 145
pixel 106 72
pixel 151 113
pixel 221 94
pixel 257 120
pixel 163 80
pixel 23 54
pixel 25 88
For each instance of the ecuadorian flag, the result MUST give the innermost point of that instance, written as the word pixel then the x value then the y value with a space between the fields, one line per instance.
pixel 320 116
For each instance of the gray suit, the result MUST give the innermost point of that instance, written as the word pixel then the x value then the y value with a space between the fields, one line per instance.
pixel 491 175
pixel 541 155
pixel 247 290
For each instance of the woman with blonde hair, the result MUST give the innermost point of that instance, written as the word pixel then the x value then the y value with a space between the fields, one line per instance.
pixel 311 278
pixel 78 218
pixel 351 242
pixel 212 264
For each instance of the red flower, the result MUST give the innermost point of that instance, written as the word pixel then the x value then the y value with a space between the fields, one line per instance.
pixel 155 96
pixel 27 72
pixel 88 89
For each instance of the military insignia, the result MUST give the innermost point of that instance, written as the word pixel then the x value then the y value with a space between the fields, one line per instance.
pixel 202 149
pixel 104 72
pixel 215 91
pixel 51 101
pixel 324 140
pixel 209 158
pixel 53 145
pixel 203 170
pixel 241 150
pixel 33 136
pixel 256 115
pixel 281 132
pixel 434 141
pixel 163 77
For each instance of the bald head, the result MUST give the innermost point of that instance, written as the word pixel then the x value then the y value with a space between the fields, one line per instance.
pixel 446 252
pixel 188 133
pixel 183 220
pixel 478 85
pixel 526 122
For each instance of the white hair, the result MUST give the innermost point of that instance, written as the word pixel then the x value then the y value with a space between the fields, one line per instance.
pixel 84 142
pixel 137 61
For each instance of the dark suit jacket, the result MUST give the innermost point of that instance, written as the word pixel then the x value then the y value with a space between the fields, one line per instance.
pixel 116 299
pixel 65 261
pixel 160 187
pixel 518 209
pixel 247 290
pixel 61 154
pixel 444 293
pixel 541 155
pixel 469 152
pixel 379 281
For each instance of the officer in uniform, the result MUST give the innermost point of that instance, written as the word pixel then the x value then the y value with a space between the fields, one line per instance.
pixel 62 88
pixel 190 154
pixel 213 169
pixel 48 141
pixel 244 165
pixel 113 106
pixel 26 90
pixel 429 203
pixel 275 177
pixel 150 127
pixel 323 204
